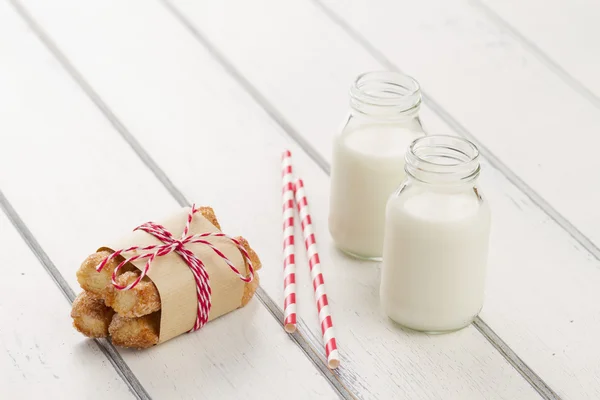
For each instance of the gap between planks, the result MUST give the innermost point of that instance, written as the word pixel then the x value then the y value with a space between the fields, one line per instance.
pixel 308 345
pixel 134 385
pixel 510 355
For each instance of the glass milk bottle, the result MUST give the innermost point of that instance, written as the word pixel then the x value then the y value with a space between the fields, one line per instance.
pixel 368 159
pixel 436 238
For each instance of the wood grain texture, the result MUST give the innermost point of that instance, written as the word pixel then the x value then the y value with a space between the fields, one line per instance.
pixel 540 279
pixel 41 356
pixel 183 96
pixel 67 172
pixel 566 32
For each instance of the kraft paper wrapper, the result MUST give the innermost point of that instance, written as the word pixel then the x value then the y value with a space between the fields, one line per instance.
pixel 175 282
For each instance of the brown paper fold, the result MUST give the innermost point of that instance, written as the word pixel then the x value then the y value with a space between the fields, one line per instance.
pixel 174 280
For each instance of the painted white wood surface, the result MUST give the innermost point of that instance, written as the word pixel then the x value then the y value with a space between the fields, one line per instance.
pixel 167 84
pixel 67 172
pixel 538 327
pixel 503 94
pixel 41 356
pixel 566 31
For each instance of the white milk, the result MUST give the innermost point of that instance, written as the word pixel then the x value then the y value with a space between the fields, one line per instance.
pixel 435 254
pixel 368 166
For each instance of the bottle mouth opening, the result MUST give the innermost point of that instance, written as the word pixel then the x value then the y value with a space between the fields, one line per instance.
pixel 385 91
pixel 441 158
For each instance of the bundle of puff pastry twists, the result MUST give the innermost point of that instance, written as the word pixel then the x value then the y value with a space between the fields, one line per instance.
pixel 131 317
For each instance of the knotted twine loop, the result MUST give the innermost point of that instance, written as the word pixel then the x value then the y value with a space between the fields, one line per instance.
pixel 178 246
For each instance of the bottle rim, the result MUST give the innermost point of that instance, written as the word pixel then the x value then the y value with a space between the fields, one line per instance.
pixel 381 93
pixel 443 159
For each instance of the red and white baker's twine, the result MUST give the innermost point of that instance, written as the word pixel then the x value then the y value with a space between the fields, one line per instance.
pixel 196 265
pixel 289 258
pixel 329 337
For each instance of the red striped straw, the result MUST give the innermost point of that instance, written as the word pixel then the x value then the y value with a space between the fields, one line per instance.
pixel 331 351
pixel 289 262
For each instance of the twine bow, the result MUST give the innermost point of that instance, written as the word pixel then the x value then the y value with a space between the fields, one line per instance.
pixel 170 244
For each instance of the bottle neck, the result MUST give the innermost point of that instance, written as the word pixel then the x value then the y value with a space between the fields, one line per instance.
pixel 386 96
pixel 443 160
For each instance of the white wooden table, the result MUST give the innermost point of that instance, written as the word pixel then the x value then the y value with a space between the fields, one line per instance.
pixel 112 112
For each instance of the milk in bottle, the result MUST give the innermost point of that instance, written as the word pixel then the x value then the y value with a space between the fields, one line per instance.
pixel 436 238
pixel 368 159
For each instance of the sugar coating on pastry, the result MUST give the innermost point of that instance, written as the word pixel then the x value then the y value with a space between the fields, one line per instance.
pixel 90 315
pixel 138 301
pixel 209 214
pixel 250 287
pixel 97 282
pixel 139 332
pixel 91 280
pixel 256 264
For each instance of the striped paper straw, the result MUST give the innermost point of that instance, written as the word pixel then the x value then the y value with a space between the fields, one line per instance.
pixel 331 351
pixel 289 262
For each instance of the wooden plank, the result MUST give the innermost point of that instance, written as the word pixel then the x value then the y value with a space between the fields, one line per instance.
pixel 76 183
pixel 235 166
pixel 297 37
pixel 41 356
pixel 563 34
